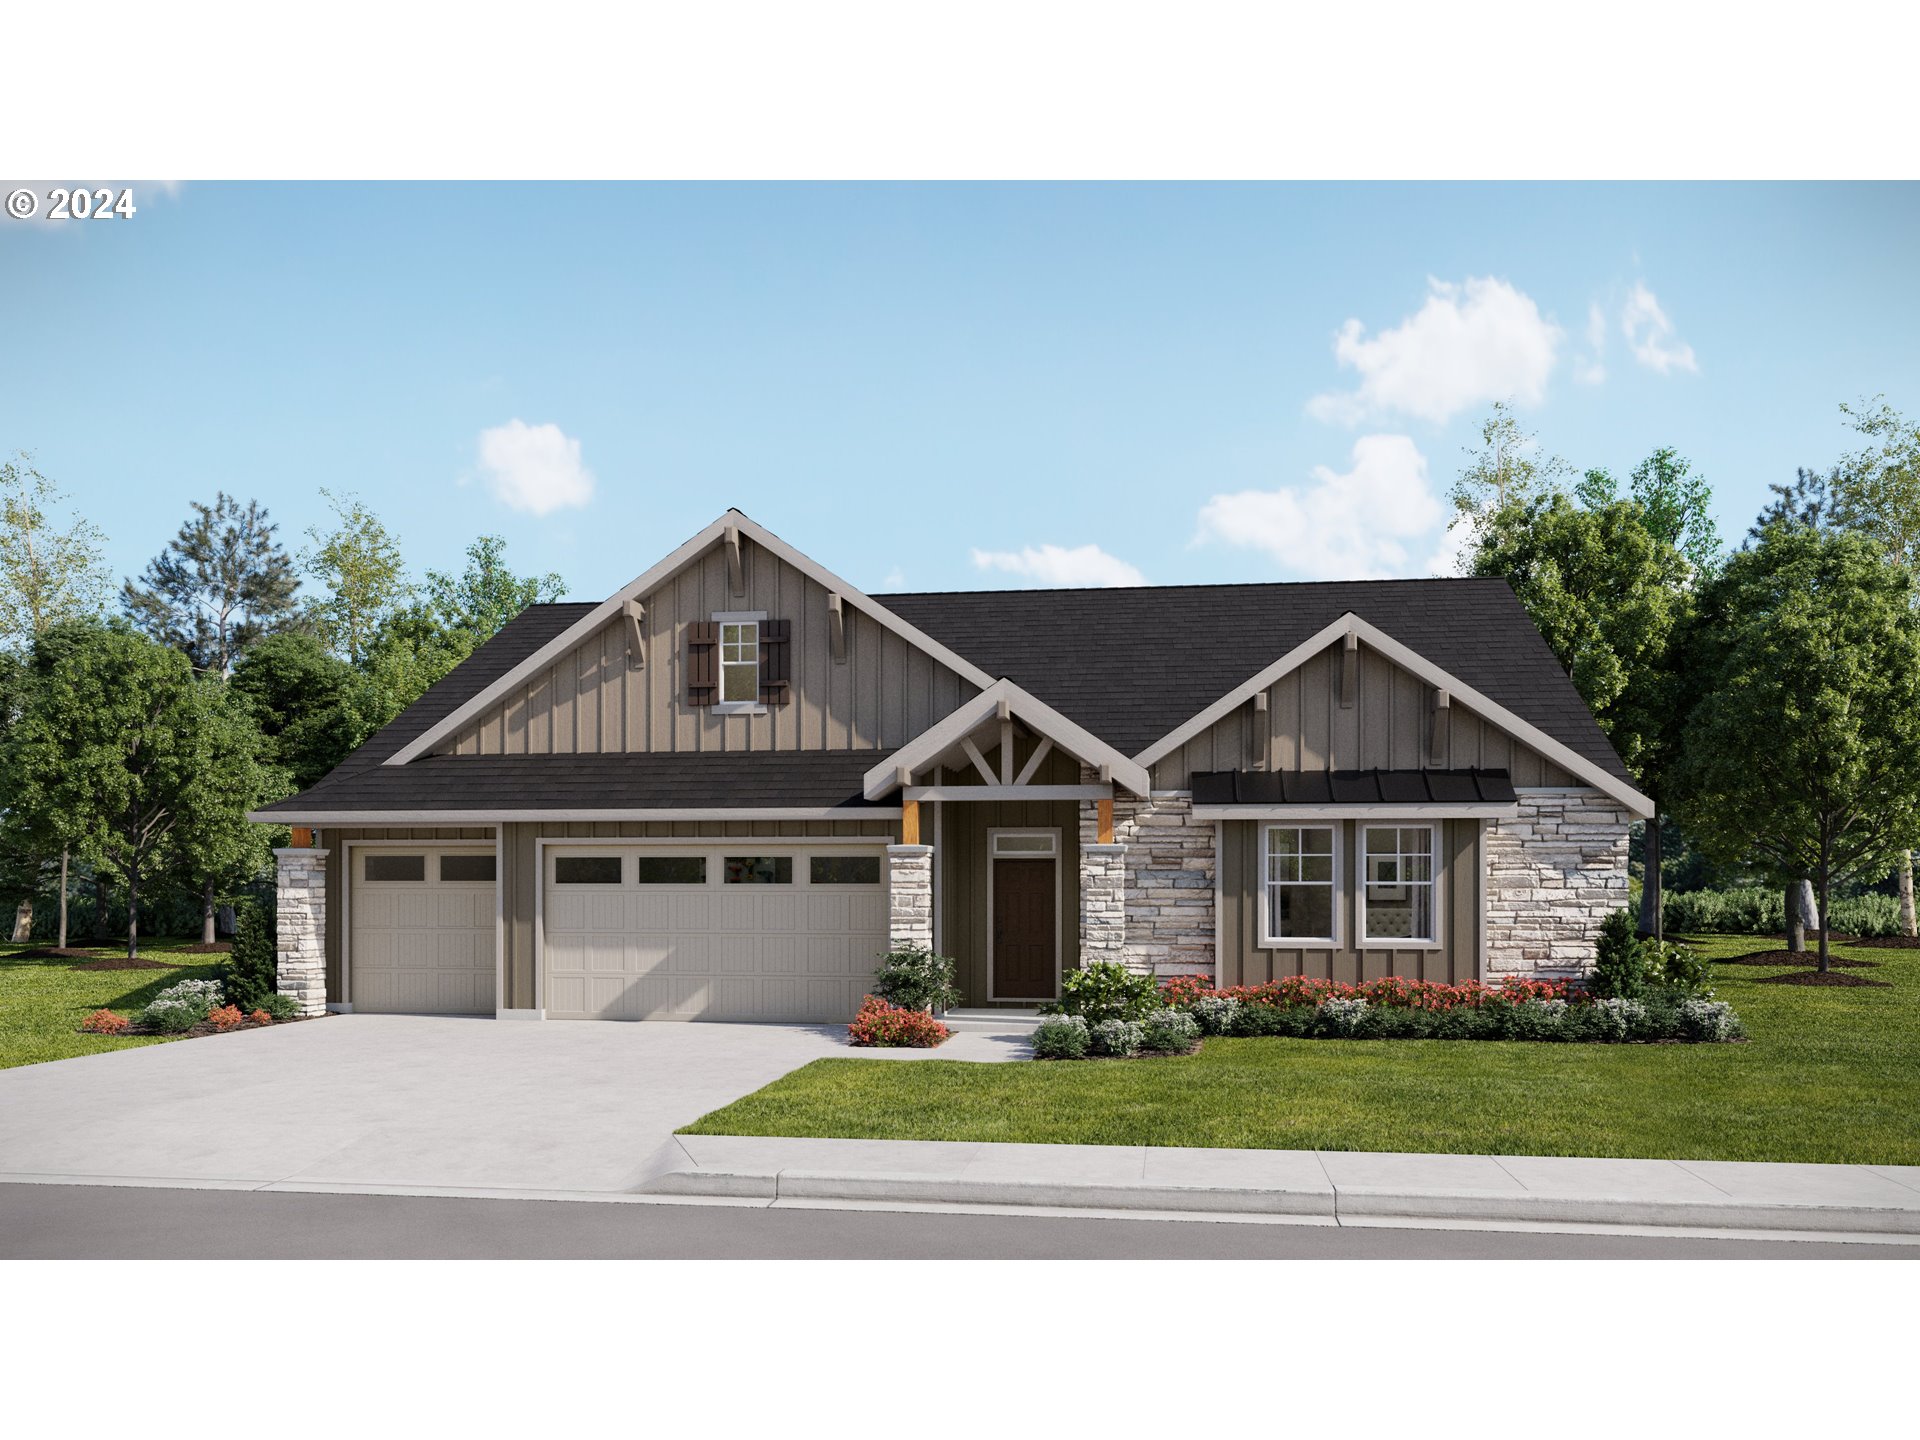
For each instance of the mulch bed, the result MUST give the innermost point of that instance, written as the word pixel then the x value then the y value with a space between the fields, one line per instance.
pixel 207 1027
pixel 1815 977
pixel 1791 957
pixel 1889 942
pixel 53 952
pixel 121 962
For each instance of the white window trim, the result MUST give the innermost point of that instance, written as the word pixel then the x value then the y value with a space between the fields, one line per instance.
pixel 1434 869
pixel 736 707
pixel 1271 941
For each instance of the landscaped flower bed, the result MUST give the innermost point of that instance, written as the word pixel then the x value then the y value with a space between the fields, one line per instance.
pixel 193 1007
pixel 1396 1009
pixel 879 1023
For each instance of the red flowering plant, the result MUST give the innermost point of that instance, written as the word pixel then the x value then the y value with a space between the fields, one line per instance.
pixel 226 1017
pixel 260 1017
pixel 1388 992
pixel 879 1023
pixel 105 1022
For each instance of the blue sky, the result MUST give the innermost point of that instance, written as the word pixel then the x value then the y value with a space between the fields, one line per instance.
pixel 924 386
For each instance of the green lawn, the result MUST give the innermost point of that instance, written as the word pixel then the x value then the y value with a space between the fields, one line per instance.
pixel 42 1002
pixel 1830 1074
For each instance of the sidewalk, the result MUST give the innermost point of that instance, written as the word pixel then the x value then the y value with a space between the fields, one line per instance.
pixel 1306 1186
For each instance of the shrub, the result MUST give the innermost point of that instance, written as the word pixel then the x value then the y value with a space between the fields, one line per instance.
pixel 1620 961
pixel 277 1007
pixel 259 1017
pixel 879 1023
pixel 1169 1032
pixel 1215 1014
pixel 1061 1037
pixel 226 1017
pixel 1341 1016
pixel 1616 1017
pixel 1115 1037
pixel 1536 1020
pixel 1752 910
pixel 106 1022
pixel 182 1006
pixel 1708 1020
pixel 1106 990
pixel 1180 991
pixel 251 968
pixel 914 978
pixel 1678 966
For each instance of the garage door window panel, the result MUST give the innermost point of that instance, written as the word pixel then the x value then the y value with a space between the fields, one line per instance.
pixel 759 870
pixel 843 870
pixel 670 870
pixel 466 869
pixel 586 870
pixel 396 869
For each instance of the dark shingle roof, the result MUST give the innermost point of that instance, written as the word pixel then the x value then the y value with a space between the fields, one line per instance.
pixel 1133 664
pixel 1128 664
pixel 1353 787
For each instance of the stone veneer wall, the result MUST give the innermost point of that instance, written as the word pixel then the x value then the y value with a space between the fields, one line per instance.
pixel 301 925
pixel 909 896
pixel 1170 865
pixel 1553 874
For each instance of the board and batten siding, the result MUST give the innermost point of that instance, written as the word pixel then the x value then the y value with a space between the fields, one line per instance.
pixel 1306 728
pixel 1244 960
pixel 593 701
pixel 520 869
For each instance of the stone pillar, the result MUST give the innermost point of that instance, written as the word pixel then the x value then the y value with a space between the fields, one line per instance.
pixel 1553 874
pixel 909 896
pixel 302 928
pixel 1103 904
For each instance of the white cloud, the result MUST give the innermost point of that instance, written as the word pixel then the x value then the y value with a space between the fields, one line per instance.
pixel 896 580
pixel 1344 526
pixel 534 467
pixel 1591 369
pixel 1469 344
pixel 1084 565
pixel 1650 334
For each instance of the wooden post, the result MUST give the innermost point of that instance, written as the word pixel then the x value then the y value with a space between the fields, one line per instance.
pixel 910 822
pixel 1103 809
pixel 302 837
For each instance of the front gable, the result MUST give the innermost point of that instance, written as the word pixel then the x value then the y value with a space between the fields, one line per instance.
pixel 630 681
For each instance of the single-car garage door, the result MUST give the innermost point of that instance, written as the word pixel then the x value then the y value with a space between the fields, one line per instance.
pixel 421 931
pixel 744 930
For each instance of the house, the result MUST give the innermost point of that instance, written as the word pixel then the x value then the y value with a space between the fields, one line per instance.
pixel 724 790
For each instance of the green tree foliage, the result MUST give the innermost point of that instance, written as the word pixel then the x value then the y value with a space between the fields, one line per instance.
pixel 452 617
pixel 223 583
pixel 252 968
pixel 216 848
pixel 1606 592
pixel 1807 500
pixel 1797 753
pixel 1876 490
pixel 1677 507
pixel 366 581
pixel 1508 467
pixel 48 574
pixel 313 708
pixel 112 742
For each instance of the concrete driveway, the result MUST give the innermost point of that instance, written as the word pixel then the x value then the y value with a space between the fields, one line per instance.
pixel 390 1101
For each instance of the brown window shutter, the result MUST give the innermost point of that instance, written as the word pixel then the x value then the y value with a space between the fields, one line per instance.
pixel 703 662
pixel 776 662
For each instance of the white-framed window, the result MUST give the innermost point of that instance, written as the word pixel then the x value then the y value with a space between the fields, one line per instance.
pixel 1399 903
pixel 739 660
pixel 1302 884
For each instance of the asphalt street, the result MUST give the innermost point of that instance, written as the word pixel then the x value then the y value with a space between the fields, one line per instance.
pixel 49 1222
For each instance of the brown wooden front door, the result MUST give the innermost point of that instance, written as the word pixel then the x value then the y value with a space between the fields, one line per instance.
pixel 1025 931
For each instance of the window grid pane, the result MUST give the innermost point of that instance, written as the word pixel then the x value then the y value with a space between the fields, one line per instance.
pixel 1399 883
pixel 1300 892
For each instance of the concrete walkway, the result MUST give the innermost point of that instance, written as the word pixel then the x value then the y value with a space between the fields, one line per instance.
pixel 1312 1186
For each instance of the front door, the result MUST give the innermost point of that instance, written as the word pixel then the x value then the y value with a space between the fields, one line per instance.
pixel 1025 929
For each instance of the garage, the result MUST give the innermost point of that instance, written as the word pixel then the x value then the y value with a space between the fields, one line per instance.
pixel 741 930
pixel 421 928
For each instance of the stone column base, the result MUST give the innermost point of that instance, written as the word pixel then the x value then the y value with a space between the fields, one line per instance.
pixel 1103 904
pixel 302 928
pixel 909 896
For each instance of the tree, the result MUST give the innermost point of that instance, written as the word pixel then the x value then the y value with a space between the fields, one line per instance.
pixel 1806 501
pixel 313 708
pixel 1797 754
pixel 1677 505
pixel 359 563
pixel 1508 467
pixel 214 844
pixel 112 740
pixel 1876 491
pixel 453 616
pixel 47 574
pixel 222 583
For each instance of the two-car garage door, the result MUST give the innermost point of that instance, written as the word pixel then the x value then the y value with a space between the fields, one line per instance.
pixel 740 931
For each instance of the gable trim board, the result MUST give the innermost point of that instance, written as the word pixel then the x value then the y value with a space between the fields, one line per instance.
pixel 937 739
pixel 1412 661
pixel 615 605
